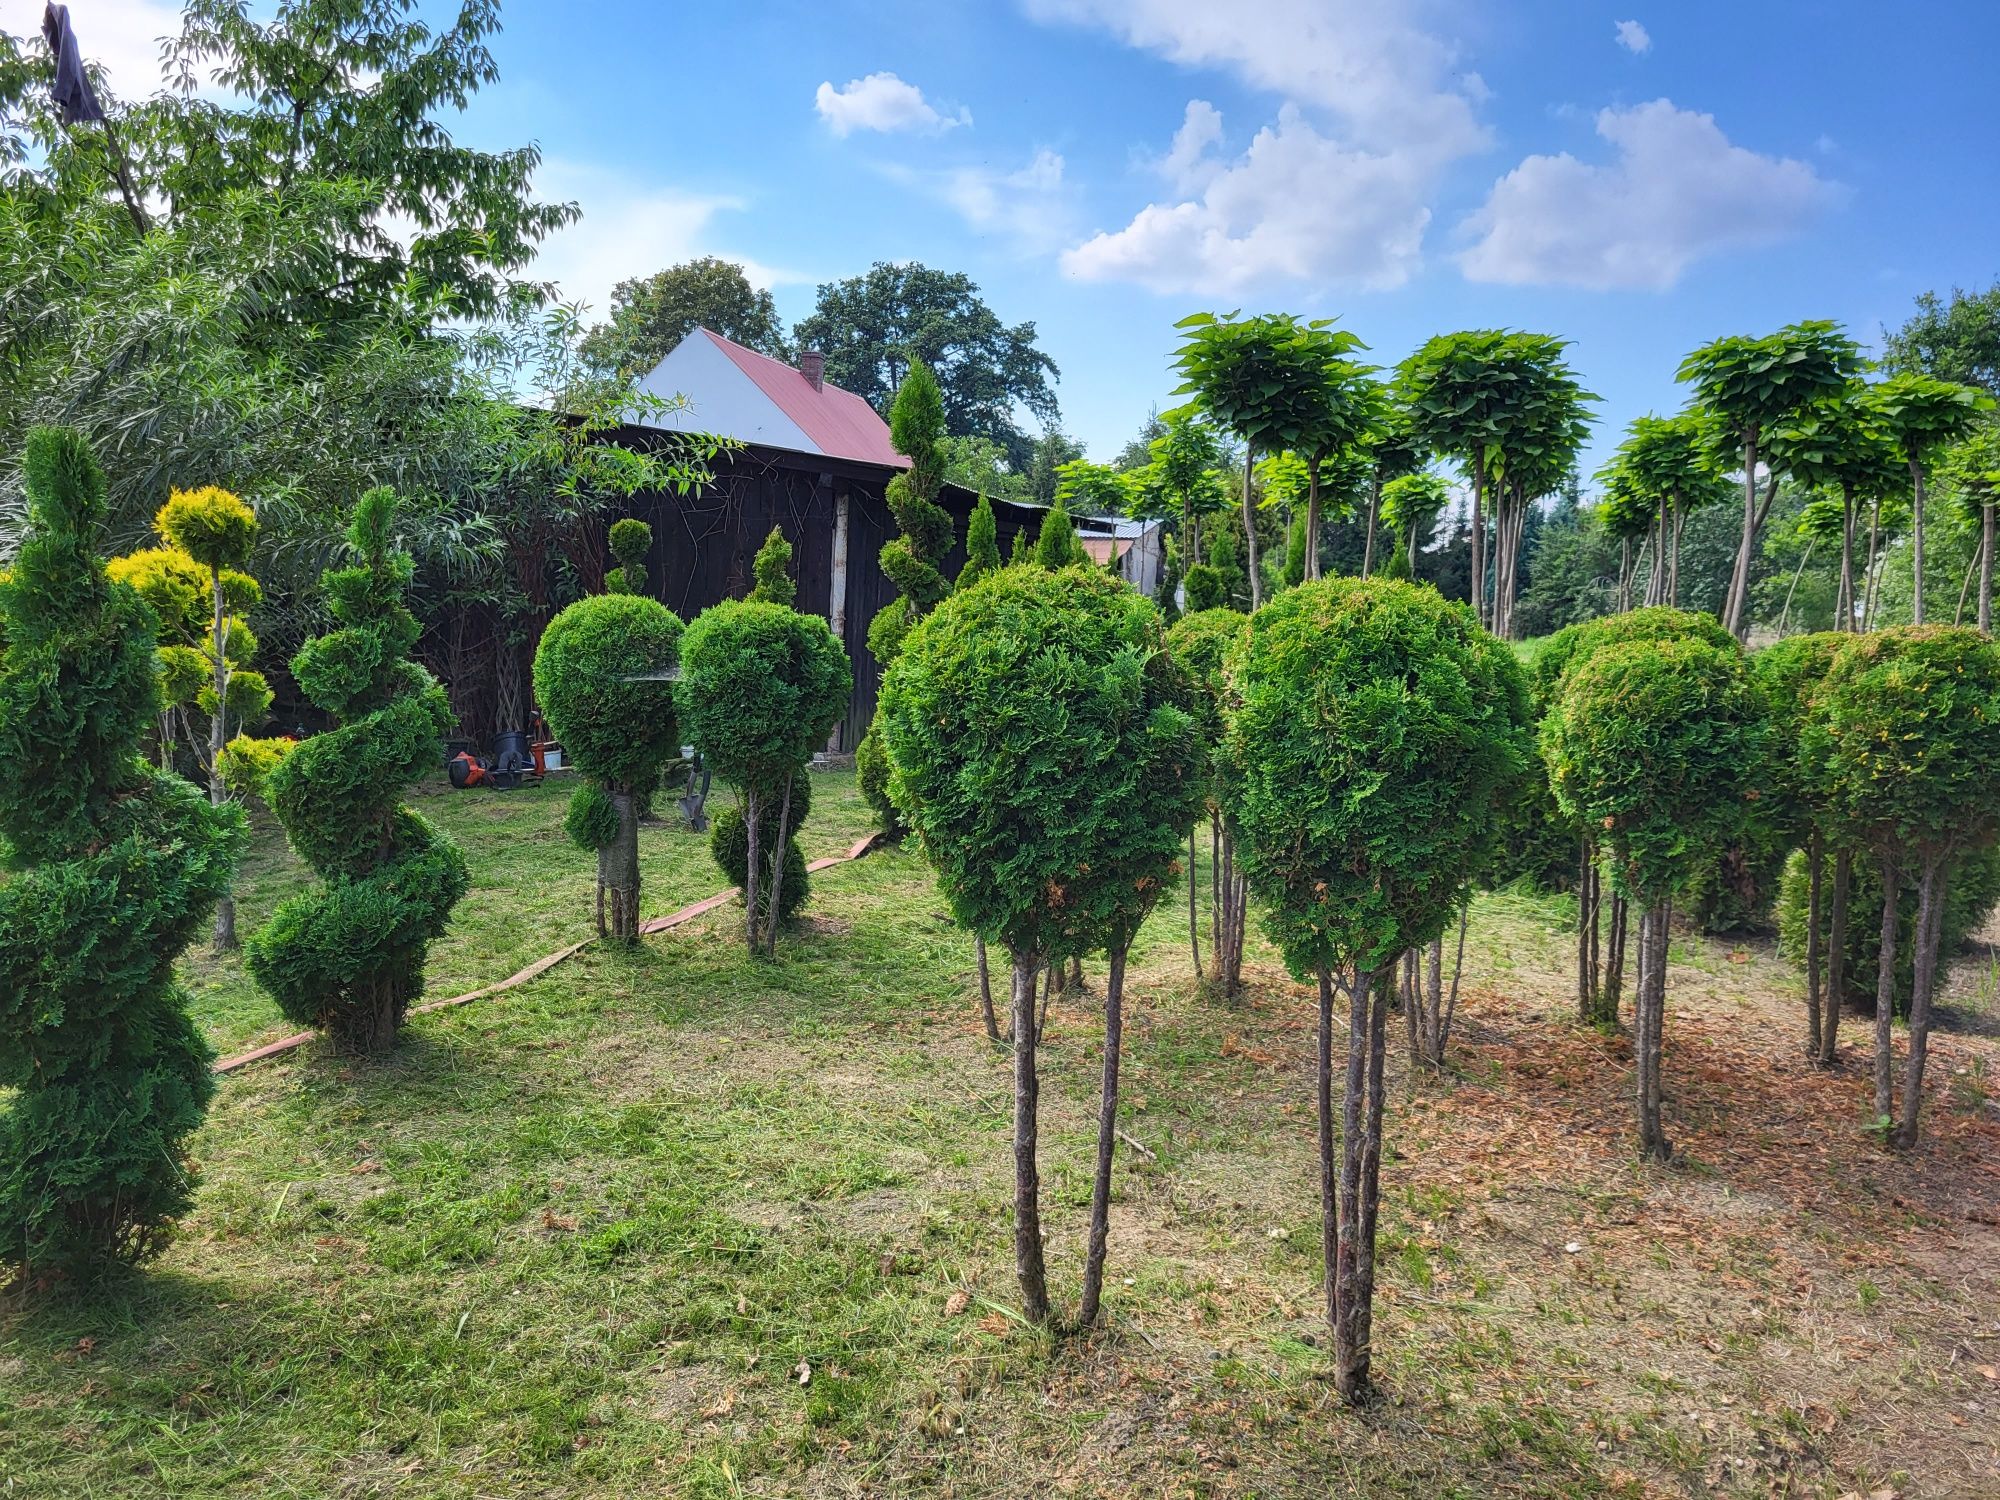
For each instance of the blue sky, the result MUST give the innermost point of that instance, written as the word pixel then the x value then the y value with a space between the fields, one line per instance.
pixel 1636 177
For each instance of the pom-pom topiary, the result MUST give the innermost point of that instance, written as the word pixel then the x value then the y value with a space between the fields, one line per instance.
pixel 1041 748
pixel 111 869
pixel 729 845
pixel 1200 643
pixel 348 957
pixel 1372 735
pixel 761 684
pixel 604 680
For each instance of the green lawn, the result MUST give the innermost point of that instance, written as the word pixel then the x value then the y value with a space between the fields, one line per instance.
pixel 682 1222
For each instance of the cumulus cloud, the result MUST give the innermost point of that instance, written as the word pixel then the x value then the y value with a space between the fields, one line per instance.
pixel 1030 205
pixel 1633 37
pixel 1336 189
pixel 1297 205
pixel 630 227
pixel 881 102
pixel 1386 81
pixel 1676 191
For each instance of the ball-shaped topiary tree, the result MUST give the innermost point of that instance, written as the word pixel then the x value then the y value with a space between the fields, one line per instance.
pixel 1903 745
pixel 1200 643
pixel 1601 944
pixel 761 684
pixel 630 541
pixel 1042 750
pixel 1370 740
pixel 348 957
pixel 1790 674
pixel 604 676
pixel 110 869
pixel 1661 744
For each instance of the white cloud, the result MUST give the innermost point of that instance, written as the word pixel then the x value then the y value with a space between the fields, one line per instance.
pixel 1676 192
pixel 1634 38
pixel 883 102
pixel 120 36
pixel 1296 206
pixel 1030 205
pixel 1390 84
pixel 629 228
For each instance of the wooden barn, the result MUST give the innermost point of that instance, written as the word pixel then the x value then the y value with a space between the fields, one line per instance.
pixel 815 462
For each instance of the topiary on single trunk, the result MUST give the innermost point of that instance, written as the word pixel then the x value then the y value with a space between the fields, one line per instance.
pixel 604 678
pixel 348 957
pixel 1044 754
pixel 1372 737
pixel 1661 745
pixel 1902 744
pixel 1200 643
pixel 111 868
pixel 761 684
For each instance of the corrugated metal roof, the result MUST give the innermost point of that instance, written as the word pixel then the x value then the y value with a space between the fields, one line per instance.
pixel 839 423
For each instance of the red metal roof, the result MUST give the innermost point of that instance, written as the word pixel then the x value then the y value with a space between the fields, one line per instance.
pixel 839 422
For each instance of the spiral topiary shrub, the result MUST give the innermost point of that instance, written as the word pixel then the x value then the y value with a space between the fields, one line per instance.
pixel 1041 747
pixel 111 868
pixel 761 685
pixel 603 676
pixel 348 957
pixel 729 844
pixel 1373 731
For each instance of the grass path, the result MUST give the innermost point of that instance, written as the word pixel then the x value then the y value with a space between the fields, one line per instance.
pixel 677 1222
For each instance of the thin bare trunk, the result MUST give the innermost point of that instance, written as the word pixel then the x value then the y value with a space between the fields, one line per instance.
pixel 1353 1263
pixel 1194 926
pixel 1917 543
pixel 1649 1025
pixel 1028 1265
pixel 1836 958
pixel 1250 531
pixel 1611 1000
pixel 1815 864
pixel 750 812
pixel 986 991
pixel 1107 1139
pixel 1885 1000
pixel 1930 916
pixel 1329 1196
pixel 774 914
pixel 1785 615
pixel 1843 613
pixel 1374 519
pixel 1739 578
pixel 1479 538
pixel 1311 560
pixel 1986 568
pixel 218 736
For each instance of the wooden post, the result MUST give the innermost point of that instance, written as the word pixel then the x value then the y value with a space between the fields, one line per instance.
pixel 836 606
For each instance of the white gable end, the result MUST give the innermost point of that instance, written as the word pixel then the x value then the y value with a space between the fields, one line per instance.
pixel 721 398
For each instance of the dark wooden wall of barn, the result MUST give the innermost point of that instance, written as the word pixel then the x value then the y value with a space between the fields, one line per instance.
pixel 704 544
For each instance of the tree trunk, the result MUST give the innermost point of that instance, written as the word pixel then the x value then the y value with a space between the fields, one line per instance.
pixel 218 736
pixel 1986 569
pixel 1836 959
pixel 1885 1001
pixel 621 868
pixel 1371 1182
pixel 1734 612
pixel 1868 571
pixel 1586 934
pixel 750 874
pixel 1843 612
pixel 1930 917
pixel 1649 1025
pixel 1611 999
pixel 1250 532
pixel 1350 1326
pixel 1374 519
pixel 1329 1197
pixel 986 991
pixel 1311 561
pixel 1215 890
pixel 1917 542
pixel 776 904
pixel 1815 863
pixel 1028 1264
pixel 1194 925
pixel 1479 538
pixel 1107 1139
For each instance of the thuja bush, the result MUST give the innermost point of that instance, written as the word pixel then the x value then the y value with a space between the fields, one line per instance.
pixel 729 844
pixel 1042 750
pixel 1661 745
pixel 1903 746
pixel 347 957
pixel 604 679
pixel 630 540
pixel 110 869
pixel 1372 734
pixel 761 685
pixel 1199 644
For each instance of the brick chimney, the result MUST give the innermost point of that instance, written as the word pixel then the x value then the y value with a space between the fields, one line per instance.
pixel 812 365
